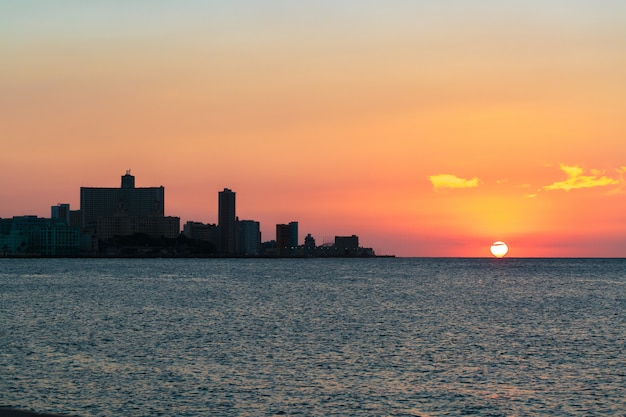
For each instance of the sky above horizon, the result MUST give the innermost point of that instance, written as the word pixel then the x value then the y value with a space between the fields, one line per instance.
pixel 427 128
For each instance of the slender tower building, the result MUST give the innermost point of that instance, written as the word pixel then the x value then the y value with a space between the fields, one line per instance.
pixel 227 223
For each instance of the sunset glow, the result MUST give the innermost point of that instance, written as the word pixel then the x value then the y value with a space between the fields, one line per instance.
pixel 426 128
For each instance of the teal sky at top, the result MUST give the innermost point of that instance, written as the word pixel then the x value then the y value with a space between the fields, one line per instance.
pixel 23 19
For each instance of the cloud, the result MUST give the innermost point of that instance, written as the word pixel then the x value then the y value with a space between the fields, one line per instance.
pixel 576 179
pixel 622 181
pixel 451 181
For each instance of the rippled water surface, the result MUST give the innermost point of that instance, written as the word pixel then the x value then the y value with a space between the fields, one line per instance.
pixel 313 337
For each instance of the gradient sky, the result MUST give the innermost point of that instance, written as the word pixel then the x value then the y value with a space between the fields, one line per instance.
pixel 427 128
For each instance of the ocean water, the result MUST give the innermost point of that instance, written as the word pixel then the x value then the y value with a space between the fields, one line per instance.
pixel 314 337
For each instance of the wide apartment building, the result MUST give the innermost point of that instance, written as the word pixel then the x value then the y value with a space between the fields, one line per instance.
pixel 32 235
pixel 108 212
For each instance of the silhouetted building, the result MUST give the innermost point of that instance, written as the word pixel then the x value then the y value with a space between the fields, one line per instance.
pixel 227 226
pixel 283 236
pixel 347 245
pixel 201 231
pixel 293 236
pixel 12 241
pixel 127 210
pixel 5 226
pixel 61 212
pixel 76 218
pixel 249 241
pixel 128 181
pixel 108 227
pixel 118 202
pixel 31 235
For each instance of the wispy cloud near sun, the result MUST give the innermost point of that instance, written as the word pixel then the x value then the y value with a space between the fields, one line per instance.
pixel 452 181
pixel 576 178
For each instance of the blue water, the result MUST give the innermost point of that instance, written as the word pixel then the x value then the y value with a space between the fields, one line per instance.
pixel 314 337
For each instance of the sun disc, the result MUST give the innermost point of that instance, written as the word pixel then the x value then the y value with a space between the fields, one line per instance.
pixel 499 249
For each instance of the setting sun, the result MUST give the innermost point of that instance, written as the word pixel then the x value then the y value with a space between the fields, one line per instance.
pixel 499 249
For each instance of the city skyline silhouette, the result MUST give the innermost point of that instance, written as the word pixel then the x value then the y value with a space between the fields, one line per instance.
pixel 131 221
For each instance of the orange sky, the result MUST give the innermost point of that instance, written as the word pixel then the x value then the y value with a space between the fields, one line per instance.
pixel 426 128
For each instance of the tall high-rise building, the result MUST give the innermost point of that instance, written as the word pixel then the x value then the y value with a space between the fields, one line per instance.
pixel 283 236
pixel 227 224
pixel 293 236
